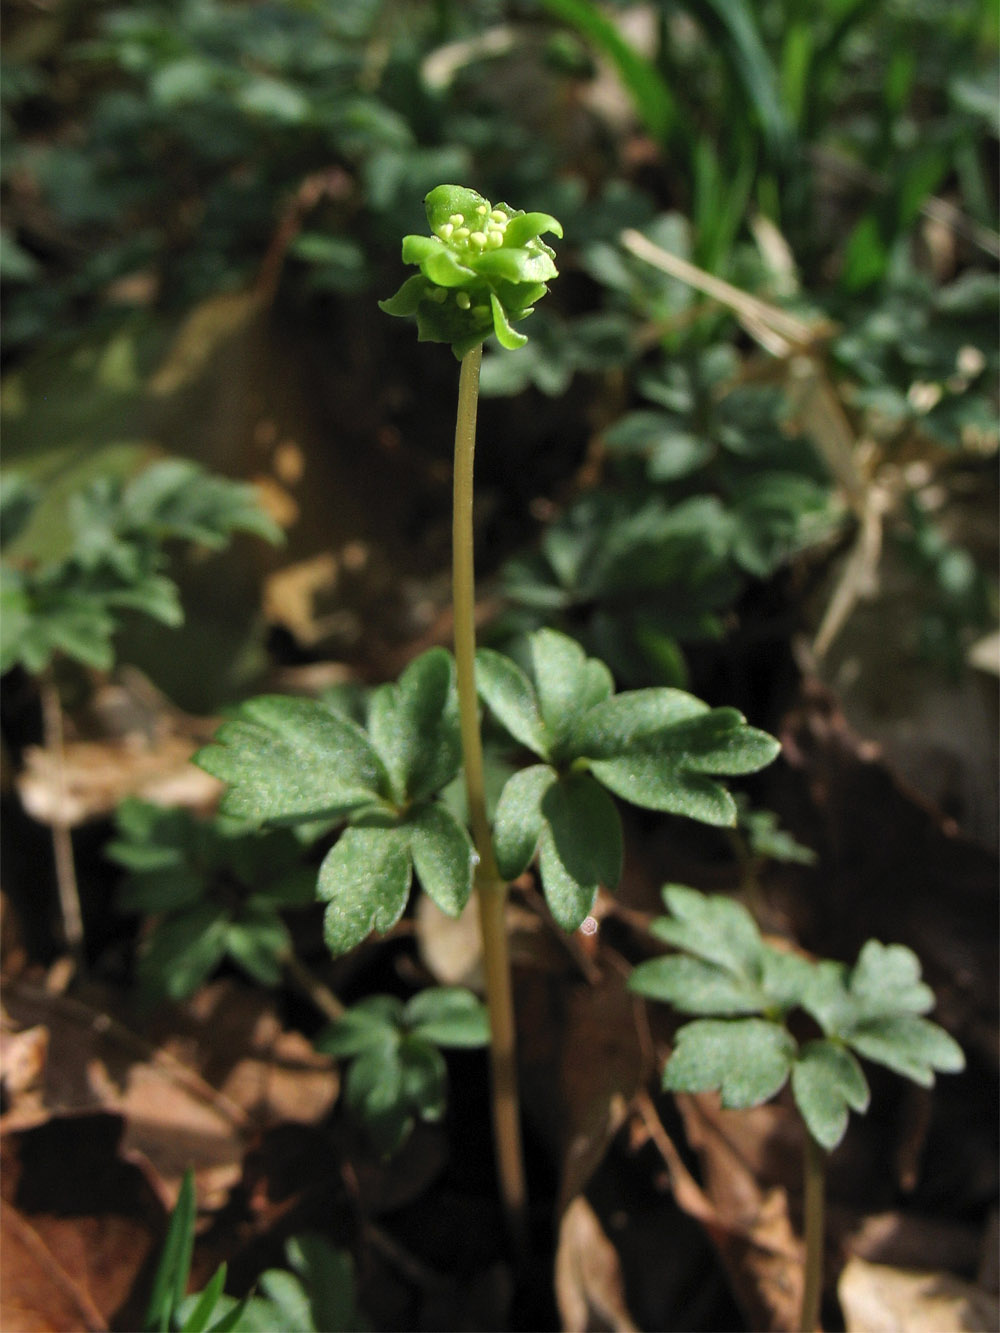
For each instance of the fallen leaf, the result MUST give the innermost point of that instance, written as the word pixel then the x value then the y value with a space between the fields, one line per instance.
pixel 81 1221
pixel 878 1299
pixel 590 1289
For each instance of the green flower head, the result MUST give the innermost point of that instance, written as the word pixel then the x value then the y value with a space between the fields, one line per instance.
pixel 481 270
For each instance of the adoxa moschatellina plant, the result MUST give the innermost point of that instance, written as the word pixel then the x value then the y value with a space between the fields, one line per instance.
pixel 744 990
pixel 292 761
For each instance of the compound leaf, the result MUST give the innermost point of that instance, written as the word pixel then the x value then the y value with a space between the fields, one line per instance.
pixel 586 833
pixel 567 681
pixel 373 1021
pixel 424 1080
pixel 669 769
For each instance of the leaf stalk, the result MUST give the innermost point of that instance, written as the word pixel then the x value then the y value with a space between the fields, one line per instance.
pixel 815 1186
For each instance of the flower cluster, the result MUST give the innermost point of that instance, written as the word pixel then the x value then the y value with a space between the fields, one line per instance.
pixel 481 270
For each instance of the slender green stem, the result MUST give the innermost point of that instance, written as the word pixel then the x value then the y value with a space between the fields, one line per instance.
pixel 815 1182
pixel 491 890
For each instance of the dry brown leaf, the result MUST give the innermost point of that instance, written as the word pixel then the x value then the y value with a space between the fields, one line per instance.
pixel 80 1223
pixel 751 1228
pixel 878 1299
pixel 36 1295
pixel 98 775
pixel 590 1289
pixel 224 1067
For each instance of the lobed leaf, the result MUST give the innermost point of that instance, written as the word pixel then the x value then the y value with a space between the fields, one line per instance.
pixel 443 857
pixel 365 879
pixel 693 986
pixel 424 1081
pixel 567 682
pixel 712 927
pixel 413 725
pixel 448 1016
pixel 747 1060
pixel 373 1021
pixel 518 822
pixel 581 846
pixel 911 1046
pixel 510 696
pixel 886 979
pixel 827 1083
pixel 287 760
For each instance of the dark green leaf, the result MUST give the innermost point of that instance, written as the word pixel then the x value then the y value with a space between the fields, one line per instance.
pixel 586 832
pixel 442 856
pixel 510 696
pixel 448 1016
pixel 373 1021
pixel 183 951
pixel 170 1281
pixel 413 725
pixel 365 879
pixel 519 821
pixel 289 759
pixel 424 1080
pixel 259 941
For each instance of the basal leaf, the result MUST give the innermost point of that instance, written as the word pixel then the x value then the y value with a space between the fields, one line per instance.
pixel 365 879
pixel 659 781
pixel 693 986
pixel 747 1060
pixel 424 1077
pixel 712 927
pixel 510 696
pixel 183 951
pixel 615 725
pixel 827 1083
pixel 442 856
pixel 259 941
pixel 913 1047
pixel 886 979
pixel 586 830
pixel 568 682
pixel 448 1016
pixel 373 1021
pixel 287 760
pixel 413 725
pixel 669 769
pixel 519 821
pixel 569 900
